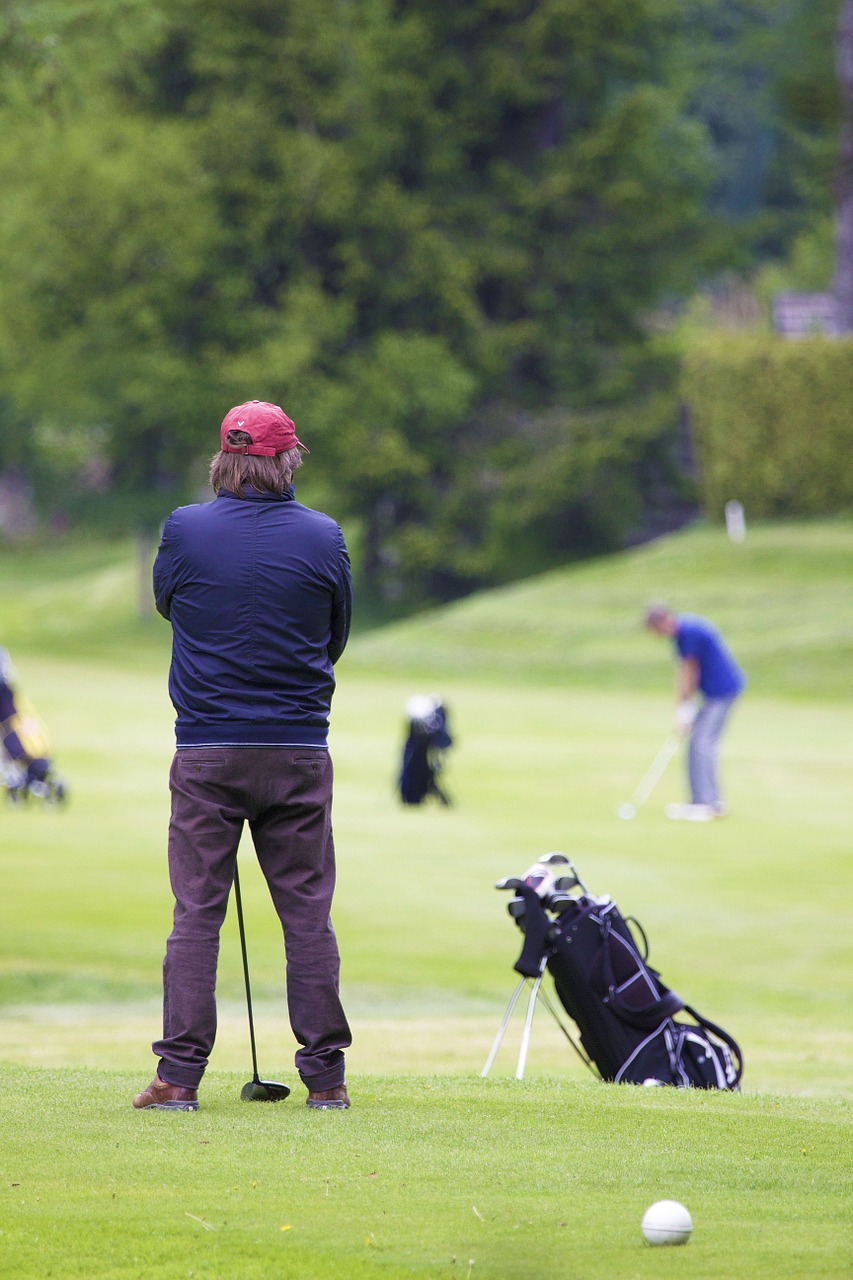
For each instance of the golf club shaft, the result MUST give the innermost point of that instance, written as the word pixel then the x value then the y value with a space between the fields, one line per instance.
pixel 655 770
pixel 239 901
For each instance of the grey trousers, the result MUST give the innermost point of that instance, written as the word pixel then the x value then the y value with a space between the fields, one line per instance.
pixel 704 749
pixel 285 795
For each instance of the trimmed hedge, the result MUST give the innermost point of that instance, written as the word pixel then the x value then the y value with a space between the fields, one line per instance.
pixel 772 422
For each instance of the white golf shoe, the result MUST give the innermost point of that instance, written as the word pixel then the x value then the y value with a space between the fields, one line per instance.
pixel 691 812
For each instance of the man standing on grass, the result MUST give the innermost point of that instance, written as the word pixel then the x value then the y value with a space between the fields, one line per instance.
pixel 706 666
pixel 259 594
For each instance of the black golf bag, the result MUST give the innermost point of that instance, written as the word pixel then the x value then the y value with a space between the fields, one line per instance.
pixel 626 1016
pixel 423 751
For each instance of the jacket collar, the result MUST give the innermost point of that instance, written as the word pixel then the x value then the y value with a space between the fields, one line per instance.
pixel 254 495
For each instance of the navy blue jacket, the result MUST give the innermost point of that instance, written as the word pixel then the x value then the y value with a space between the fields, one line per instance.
pixel 259 594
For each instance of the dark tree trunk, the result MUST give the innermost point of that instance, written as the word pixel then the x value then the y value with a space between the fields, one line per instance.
pixel 844 256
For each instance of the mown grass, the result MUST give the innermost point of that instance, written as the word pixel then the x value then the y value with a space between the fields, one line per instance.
pixel 783 598
pixel 436 1172
pixel 737 911
pixel 426 1177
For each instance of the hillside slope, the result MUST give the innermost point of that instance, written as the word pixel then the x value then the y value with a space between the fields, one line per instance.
pixel 783 598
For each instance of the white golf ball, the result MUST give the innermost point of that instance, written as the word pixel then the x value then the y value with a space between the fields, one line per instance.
pixel 626 811
pixel 667 1222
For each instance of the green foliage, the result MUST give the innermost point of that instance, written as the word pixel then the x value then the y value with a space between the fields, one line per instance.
pixel 808 267
pixel 801 181
pixel 434 232
pixel 532 490
pixel 773 422
pixel 727 51
pixel 759 75
pixel 107 310
pixel 394 220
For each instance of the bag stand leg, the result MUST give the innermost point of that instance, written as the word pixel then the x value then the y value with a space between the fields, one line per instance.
pixel 502 1028
pixel 528 1023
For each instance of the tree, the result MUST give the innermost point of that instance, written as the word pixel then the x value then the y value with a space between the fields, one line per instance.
pixel 406 222
pixel 110 310
pixel 727 51
pixel 844 260
pixel 797 198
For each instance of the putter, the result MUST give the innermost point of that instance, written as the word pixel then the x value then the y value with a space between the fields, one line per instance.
pixel 257 1090
pixel 650 779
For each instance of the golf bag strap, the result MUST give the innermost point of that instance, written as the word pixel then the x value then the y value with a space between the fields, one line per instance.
pixel 712 1027
pixel 666 1006
pixel 632 920
pixel 537 927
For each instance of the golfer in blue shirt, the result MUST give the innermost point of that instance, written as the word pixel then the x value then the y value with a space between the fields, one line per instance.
pixel 706 667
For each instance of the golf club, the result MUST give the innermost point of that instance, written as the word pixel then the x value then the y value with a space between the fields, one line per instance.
pixel 650 779
pixel 256 1090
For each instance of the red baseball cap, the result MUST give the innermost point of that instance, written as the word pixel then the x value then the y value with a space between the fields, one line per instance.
pixel 271 430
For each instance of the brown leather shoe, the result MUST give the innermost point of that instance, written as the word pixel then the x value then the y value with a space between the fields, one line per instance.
pixel 329 1099
pixel 160 1096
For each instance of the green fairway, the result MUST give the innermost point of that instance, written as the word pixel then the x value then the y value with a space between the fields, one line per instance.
pixel 430 1177
pixel 436 1172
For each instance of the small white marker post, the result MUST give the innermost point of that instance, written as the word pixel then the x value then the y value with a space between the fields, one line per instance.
pixel 735 521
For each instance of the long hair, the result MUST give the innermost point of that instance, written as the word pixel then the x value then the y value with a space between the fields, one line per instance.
pixel 232 471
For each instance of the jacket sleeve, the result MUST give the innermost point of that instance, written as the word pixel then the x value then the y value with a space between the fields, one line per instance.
pixel 341 603
pixel 164 571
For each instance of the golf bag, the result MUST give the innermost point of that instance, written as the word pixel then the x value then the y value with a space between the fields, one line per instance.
pixel 423 751
pixel 626 1016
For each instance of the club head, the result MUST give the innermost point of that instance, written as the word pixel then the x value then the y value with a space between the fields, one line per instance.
pixel 264 1091
pixel 509 882
pixel 626 812
pixel 563 883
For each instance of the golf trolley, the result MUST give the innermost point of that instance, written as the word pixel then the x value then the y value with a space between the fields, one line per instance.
pixel 624 1014
pixel 21 787
pixel 26 769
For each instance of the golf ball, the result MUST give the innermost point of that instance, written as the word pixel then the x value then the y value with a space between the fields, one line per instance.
pixel 667 1222
pixel 626 811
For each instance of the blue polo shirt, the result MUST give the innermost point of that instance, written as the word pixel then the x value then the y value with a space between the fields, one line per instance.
pixel 719 674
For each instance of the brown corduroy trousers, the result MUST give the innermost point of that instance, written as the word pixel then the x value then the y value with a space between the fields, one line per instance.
pixel 285 795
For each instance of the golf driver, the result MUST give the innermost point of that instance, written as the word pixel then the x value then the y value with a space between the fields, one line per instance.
pixel 256 1090
pixel 650 779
